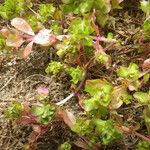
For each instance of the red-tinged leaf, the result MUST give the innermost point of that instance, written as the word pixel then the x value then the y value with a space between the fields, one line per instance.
pixel 81 144
pixel 42 90
pixel 44 38
pixel 40 129
pixel 5 32
pixel 67 117
pixel 27 118
pixel 146 64
pixel 22 25
pixel 14 40
pixel 27 50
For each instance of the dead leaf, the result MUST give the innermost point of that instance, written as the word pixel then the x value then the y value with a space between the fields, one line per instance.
pixel 22 25
pixel 116 100
pixel 67 117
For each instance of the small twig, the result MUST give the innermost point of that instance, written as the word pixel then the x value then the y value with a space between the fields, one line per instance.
pixel 34 12
pixel 142 136
pixel 127 130
pixel 65 100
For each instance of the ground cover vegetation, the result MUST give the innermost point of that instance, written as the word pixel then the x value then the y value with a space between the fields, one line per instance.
pixel 82 35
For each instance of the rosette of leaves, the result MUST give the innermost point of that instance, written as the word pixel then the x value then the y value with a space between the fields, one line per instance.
pixel 76 74
pixel 44 113
pixel 130 76
pixel 14 110
pixel 81 29
pixel 97 131
pixel 100 92
pixel 54 67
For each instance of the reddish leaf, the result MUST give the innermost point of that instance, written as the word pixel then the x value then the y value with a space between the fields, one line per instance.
pixel 27 50
pixel 81 144
pixel 42 90
pixel 27 118
pixel 14 40
pixel 44 38
pixel 146 64
pixel 67 117
pixel 22 25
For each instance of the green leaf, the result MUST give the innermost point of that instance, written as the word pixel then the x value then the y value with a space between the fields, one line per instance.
pixel 130 73
pixel 81 126
pixel 46 11
pixel 54 67
pixel 65 146
pixel 76 74
pixel 93 87
pixel 103 6
pixel 145 6
pixel 2 43
pixel 81 26
pixel 102 18
pixel 84 7
pixel 44 113
pixel 14 110
pixel 96 106
pixel 143 145
pixel 106 131
pixel 91 104
pixel 142 97
pixel 146 27
pixel 103 58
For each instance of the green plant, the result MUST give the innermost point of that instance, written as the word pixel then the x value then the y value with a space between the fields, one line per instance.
pixel 145 6
pixel 14 110
pixel 143 145
pixel 102 7
pixel 65 146
pixel 10 9
pixel 2 43
pixel 80 46
pixel 46 11
pixel 44 113
pixel 130 73
pixel 97 131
